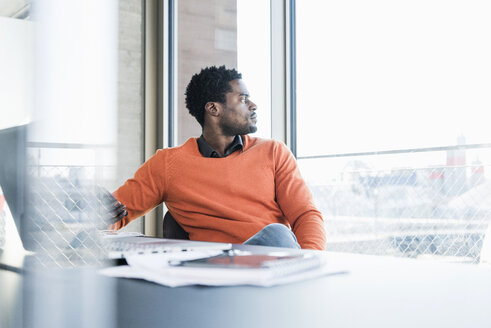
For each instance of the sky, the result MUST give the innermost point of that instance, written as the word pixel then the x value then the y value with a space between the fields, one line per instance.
pixel 385 74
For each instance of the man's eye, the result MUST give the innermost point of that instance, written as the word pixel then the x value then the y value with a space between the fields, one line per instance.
pixel 243 99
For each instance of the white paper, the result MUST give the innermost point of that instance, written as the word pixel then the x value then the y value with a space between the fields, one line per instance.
pixel 155 268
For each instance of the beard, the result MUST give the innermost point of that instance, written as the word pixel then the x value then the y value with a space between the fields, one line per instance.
pixel 233 129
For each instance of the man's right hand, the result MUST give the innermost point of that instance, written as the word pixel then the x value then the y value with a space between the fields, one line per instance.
pixel 119 212
pixel 114 211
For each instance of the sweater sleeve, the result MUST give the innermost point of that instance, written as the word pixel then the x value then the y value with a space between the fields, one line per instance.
pixel 144 191
pixel 296 201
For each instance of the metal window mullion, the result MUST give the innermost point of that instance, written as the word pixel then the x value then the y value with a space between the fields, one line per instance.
pixel 292 77
pixel 401 151
pixel 166 90
pixel 170 69
pixel 283 84
pixel 151 126
pixel 278 71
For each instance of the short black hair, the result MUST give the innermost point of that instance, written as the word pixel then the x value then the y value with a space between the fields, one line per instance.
pixel 211 84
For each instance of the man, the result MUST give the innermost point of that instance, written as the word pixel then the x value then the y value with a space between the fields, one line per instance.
pixel 226 186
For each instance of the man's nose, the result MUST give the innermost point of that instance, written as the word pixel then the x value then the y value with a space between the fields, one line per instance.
pixel 252 106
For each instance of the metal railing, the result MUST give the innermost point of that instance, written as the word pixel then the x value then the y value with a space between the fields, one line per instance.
pixel 438 212
pixel 64 206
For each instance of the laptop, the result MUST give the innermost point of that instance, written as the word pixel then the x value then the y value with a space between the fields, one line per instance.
pixel 12 183
pixel 115 244
pixel 118 247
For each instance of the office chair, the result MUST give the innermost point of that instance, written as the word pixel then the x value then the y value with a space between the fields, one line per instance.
pixel 172 229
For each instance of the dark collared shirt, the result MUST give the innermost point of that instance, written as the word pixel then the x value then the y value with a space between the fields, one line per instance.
pixel 207 151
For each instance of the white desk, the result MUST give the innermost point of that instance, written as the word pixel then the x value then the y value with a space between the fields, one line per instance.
pixel 378 292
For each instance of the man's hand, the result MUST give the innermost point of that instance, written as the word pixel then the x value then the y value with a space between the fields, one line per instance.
pixel 118 211
pixel 113 210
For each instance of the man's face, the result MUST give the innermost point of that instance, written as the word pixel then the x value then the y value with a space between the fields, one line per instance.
pixel 239 116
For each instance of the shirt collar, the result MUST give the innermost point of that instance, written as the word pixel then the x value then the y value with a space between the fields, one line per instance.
pixel 207 151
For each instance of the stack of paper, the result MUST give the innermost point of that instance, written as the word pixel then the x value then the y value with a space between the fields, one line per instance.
pixel 156 268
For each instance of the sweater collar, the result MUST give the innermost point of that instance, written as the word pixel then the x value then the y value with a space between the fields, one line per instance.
pixel 207 151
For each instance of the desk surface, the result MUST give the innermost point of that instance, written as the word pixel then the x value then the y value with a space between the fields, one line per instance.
pixel 377 292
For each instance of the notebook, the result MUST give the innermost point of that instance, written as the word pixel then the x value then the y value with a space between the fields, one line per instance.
pixel 263 266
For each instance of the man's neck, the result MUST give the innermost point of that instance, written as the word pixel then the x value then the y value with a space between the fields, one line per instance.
pixel 218 142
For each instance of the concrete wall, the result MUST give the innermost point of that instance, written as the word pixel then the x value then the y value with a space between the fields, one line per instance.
pixel 130 93
pixel 207 35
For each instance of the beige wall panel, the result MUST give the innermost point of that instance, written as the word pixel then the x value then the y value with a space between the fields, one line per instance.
pixel 130 96
pixel 207 35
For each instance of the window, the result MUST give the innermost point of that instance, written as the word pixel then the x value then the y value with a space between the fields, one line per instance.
pixel 391 97
pixel 231 33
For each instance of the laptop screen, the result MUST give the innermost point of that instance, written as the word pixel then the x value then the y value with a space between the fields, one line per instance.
pixel 12 179
pixel 9 234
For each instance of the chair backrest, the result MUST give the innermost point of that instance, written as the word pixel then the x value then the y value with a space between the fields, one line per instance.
pixel 172 229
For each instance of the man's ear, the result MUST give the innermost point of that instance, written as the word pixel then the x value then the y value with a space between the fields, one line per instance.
pixel 212 108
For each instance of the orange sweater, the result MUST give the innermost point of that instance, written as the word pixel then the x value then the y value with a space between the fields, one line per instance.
pixel 226 199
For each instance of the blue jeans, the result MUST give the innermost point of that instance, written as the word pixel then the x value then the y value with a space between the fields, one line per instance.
pixel 275 235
